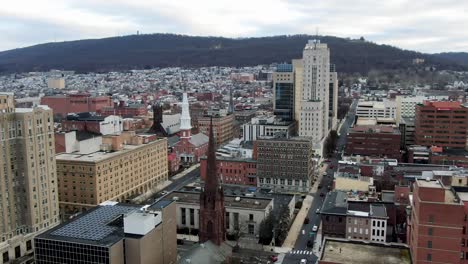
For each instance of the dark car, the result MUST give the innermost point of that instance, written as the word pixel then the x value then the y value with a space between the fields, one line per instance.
pixel 322 194
pixel 274 258
pixel 306 220
pixel 331 166
pixel 310 243
pixel 319 186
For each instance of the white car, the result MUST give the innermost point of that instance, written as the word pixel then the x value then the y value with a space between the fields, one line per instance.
pixel 317 211
pixel 314 229
pixel 303 261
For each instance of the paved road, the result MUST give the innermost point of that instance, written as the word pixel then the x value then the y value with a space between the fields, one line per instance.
pixel 176 184
pixel 301 251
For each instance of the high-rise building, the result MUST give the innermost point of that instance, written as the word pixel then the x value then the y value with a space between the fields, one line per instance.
pixel 314 102
pixel 212 210
pixel 283 90
pixel 442 124
pixel 28 187
pixel 333 98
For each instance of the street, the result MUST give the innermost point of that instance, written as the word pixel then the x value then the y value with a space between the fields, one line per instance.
pixel 301 250
pixel 176 184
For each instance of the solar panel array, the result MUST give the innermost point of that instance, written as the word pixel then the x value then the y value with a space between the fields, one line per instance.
pixel 93 225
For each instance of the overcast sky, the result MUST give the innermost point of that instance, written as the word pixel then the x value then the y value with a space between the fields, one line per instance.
pixel 422 25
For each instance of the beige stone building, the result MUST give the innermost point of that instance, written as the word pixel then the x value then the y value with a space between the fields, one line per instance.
pixel 120 172
pixel 28 185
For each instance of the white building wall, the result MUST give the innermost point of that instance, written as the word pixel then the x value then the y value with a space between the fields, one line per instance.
pixel 315 91
pixel 111 125
pixel 378 230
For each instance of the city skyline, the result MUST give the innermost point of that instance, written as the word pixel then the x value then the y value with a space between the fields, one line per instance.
pixel 399 23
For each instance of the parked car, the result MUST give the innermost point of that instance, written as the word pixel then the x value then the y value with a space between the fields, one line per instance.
pixel 319 186
pixel 322 194
pixel 310 243
pixel 306 220
pixel 273 258
pixel 315 228
pixel 303 261
pixel 317 211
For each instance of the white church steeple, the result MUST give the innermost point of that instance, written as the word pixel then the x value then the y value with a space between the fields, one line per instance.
pixel 185 120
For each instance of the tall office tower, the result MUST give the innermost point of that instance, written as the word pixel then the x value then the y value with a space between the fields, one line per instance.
pixel 298 69
pixel 313 121
pixel 333 98
pixel 283 89
pixel 28 185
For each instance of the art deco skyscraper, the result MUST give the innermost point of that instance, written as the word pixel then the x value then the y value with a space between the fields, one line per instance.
pixel 28 180
pixel 314 104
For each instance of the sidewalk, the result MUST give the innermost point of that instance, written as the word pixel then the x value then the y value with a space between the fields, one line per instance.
pixel 185 172
pixel 296 227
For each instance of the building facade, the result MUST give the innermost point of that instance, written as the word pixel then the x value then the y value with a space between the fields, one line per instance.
pixel 285 164
pixel 95 124
pixel 222 127
pixel 242 214
pixel 436 224
pixel 333 98
pixel 28 189
pixel 88 180
pixel 314 102
pixel 377 109
pixel 125 110
pixel 283 90
pixel 442 124
pixel 267 126
pixel 374 141
pixel 242 171
pixel 76 103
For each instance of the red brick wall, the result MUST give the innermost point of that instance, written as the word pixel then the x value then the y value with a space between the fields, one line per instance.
pixel 233 171
pixel 447 226
pixel 76 103
pixel 374 145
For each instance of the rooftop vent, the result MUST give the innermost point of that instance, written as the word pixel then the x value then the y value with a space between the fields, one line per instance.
pixel 238 199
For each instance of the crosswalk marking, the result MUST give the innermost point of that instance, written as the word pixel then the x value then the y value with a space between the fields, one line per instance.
pixel 300 252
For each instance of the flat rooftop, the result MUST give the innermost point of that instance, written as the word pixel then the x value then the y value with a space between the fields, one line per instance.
pixel 229 201
pixel 429 184
pixel 99 155
pixel 355 252
pixel 94 227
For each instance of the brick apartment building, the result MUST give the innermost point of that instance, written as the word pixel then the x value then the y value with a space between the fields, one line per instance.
pixel 436 227
pixel 442 124
pixel 374 141
pixel 125 110
pixel 222 127
pixel 76 103
pixel 242 171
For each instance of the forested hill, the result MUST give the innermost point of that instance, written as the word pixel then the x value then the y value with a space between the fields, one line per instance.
pixel 457 57
pixel 163 50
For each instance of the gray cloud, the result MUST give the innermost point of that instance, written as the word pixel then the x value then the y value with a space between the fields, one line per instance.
pixel 425 25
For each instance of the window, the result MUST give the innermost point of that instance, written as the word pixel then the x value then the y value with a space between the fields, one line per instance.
pixel 431 218
pixel 227 220
pixel 28 245
pixel 6 257
pixel 430 231
pixel 251 229
pixel 429 257
pixel 251 217
pixel 183 216
pixel 429 244
pixel 192 216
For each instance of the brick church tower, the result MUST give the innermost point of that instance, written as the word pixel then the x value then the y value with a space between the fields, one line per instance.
pixel 212 210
